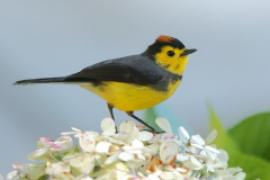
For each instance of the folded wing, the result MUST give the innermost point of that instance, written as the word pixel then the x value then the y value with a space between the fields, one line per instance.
pixel 132 69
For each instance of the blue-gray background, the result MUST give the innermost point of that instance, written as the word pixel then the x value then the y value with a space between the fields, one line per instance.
pixel 39 38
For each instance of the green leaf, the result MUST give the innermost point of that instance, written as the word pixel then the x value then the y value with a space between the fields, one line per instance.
pixel 253 166
pixel 223 140
pixel 253 135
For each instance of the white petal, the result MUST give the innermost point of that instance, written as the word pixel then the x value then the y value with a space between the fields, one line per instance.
pixel 140 156
pixel 212 149
pixel 168 151
pixel 128 131
pixel 103 147
pixel 137 144
pixel 121 167
pixel 125 156
pixel 153 148
pixel 223 156
pixel 192 150
pixel 182 157
pixel 211 136
pixel 211 152
pixel 108 126
pixel 197 139
pixel 39 153
pixel 183 135
pixel 164 124
pixel 193 163
pixel 85 163
pixel 111 159
pixel 198 146
pixel 57 168
pixel 210 167
pixel 145 136
pixel 203 155
pixel 127 126
pixel 87 141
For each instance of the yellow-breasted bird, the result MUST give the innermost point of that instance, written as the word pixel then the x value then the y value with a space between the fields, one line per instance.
pixel 133 82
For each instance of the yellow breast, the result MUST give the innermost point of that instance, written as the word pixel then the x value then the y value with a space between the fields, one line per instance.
pixel 130 97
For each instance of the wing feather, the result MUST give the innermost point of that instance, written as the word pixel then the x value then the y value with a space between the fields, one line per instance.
pixel 132 69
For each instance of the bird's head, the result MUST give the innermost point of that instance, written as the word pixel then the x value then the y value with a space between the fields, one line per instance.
pixel 169 53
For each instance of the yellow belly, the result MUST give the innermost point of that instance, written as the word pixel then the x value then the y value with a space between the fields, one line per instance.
pixel 129 97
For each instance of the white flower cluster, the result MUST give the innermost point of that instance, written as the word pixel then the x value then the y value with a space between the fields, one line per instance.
pixel 129 154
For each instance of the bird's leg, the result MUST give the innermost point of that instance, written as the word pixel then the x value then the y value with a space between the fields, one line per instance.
pixel 130 113
pixel 110 107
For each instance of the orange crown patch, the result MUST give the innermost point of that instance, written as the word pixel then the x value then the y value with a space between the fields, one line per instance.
pixel 164 38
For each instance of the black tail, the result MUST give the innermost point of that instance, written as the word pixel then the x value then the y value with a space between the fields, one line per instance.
pixel 42 80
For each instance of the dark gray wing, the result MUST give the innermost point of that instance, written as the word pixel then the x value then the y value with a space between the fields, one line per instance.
pixel 136 69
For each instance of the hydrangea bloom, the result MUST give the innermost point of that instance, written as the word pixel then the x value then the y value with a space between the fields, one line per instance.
pixel 132 153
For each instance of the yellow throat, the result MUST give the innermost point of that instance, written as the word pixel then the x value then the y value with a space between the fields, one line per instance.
pixel 175 64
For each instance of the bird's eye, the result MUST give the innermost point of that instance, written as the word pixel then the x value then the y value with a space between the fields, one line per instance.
pixel 170 53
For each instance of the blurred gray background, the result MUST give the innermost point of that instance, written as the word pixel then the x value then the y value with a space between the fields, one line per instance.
pixel 39 38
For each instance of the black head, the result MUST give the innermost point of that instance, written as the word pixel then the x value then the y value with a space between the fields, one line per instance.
pixel 163 41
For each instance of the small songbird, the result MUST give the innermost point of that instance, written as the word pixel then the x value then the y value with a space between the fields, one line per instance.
pixel 133 82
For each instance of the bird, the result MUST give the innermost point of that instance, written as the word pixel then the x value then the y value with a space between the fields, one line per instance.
pixel 133 82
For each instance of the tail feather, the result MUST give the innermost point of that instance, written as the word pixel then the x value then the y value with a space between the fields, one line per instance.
pixel 42 80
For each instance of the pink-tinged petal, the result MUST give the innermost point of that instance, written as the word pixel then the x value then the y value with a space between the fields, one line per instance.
pixel 62 143
pixel 45 141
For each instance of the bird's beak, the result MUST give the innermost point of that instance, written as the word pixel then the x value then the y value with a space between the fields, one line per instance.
pixel 188 51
